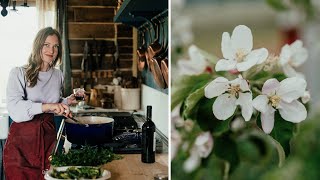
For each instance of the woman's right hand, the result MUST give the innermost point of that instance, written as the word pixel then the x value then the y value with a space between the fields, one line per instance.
pixel 57 108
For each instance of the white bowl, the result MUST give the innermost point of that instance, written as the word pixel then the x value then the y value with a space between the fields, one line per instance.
pixel 105 174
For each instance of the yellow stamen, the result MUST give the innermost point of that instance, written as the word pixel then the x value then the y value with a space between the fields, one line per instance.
pixel 234 90
pixel 274 101
pixel 240 55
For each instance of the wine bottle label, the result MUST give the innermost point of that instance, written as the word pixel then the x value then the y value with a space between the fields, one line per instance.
pixel 154 141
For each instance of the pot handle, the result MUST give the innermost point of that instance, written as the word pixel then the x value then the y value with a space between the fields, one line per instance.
pixel 59 134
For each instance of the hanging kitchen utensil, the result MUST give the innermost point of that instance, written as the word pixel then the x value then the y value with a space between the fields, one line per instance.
pixel 148 57
pixel 102 52
pixel 157 75
pixel 84 63
pixel 155 47
pixel 156 61
pixel 141 52
pixel 165 70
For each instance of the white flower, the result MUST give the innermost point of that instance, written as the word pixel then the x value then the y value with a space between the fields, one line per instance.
pixel 196 65
pixel 283 97
pixel 292 56
pixel 306 97
pixel 175 142
pixel 192 162
pixel 176 119
pixel 230 94
pixel 203 144
pixel 237 51
pixel 202 147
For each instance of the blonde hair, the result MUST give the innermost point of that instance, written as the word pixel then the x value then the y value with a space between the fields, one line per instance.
pixel 34 61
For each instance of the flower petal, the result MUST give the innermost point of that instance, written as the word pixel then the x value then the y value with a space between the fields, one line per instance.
pixel 299 57
pixel 270 86
pixel 225 65
pixel 242 82
pixel 226 48
pixel 204 144
pixel 256 56
pixel 192 162
pixel 291 89
pixel 245 102
pixel 267 121
pixel 289 71
pixel 224 106
pixel 188 67
pixel 260 103
pixel 216 87
pixel 196 57
pixel 306 97
pixel 241 39
pixel 262 54
pixel 285 55
pixel 294 112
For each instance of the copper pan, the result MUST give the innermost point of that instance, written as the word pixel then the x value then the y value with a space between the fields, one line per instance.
pixel 141 51
pixel 165 70
pixel 156 72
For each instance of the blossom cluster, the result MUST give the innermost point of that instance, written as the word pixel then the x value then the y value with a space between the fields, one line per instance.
pixel 237 91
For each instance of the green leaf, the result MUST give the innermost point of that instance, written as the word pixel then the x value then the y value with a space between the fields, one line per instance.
pixel 283 131
pixel 214 168
pixel 257 155
pixel 192 100
pixel 279 76
pixel 207 121
pixel 277 5
pixel 187 85
pixel 226 148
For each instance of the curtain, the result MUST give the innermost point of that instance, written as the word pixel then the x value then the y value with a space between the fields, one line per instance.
pixel 66 61
pixel 46 13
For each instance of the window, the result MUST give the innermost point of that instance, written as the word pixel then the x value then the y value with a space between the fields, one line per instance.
pixel 17 31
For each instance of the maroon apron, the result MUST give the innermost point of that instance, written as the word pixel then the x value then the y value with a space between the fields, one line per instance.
pixel 28 146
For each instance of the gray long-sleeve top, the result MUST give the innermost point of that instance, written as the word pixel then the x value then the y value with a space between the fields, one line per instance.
pixel 24 102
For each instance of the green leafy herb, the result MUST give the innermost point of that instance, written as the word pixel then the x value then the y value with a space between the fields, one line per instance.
pixel 87 156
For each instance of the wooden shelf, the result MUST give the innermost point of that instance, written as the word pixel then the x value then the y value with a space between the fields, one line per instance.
pixel 92 6
pixel 135 12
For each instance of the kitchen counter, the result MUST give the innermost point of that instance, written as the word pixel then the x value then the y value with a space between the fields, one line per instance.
pixel 131 167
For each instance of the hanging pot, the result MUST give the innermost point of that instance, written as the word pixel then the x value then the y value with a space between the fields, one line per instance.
pixel 91 130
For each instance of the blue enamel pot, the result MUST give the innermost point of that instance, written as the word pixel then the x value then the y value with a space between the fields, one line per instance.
pixel 91 130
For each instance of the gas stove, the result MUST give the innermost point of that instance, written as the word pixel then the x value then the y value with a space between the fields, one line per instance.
pixel 126 133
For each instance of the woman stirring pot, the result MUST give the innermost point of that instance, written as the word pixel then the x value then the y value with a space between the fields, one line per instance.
pixel 33 96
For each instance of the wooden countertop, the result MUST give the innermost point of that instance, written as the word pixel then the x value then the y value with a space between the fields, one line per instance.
pixel 131 167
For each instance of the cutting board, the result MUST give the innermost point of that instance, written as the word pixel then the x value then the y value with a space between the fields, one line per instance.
pixel 131 167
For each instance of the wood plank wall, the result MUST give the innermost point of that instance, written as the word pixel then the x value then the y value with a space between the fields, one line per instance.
pixel 93 19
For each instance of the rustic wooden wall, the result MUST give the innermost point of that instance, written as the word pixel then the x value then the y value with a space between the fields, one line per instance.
pixel 93 19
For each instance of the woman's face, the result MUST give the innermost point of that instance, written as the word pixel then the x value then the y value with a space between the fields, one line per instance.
pixel 50 50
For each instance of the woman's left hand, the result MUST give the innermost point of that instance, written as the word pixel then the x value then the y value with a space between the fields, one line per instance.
pixel 71 100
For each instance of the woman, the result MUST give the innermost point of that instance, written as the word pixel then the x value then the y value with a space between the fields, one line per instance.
pixel 33 95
